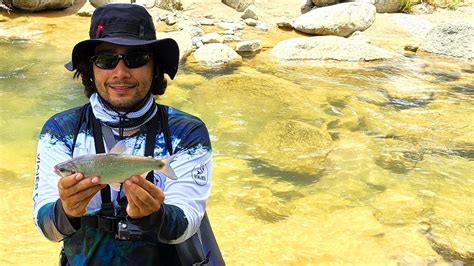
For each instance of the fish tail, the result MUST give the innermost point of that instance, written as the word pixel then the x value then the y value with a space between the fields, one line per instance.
pixel 167 170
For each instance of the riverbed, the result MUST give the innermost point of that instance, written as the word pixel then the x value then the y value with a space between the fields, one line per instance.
pixel 338 163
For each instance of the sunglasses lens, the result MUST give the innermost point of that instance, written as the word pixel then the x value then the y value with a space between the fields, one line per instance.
pixel 134 60
pixel 105 61
pixel 110 61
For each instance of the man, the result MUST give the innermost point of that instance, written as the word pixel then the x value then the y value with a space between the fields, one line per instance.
pixel 144 221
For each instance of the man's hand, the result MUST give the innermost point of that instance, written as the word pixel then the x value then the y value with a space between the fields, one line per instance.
pixel 144 198
pixel 75 192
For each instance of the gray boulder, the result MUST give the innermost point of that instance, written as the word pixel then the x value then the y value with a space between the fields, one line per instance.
pixel 341 20
pixel 451 39
pixel 310 49
pixel 39 5
pixel 239 5
pixel 216 55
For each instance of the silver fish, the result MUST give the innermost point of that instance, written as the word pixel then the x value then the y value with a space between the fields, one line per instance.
pixel 114 167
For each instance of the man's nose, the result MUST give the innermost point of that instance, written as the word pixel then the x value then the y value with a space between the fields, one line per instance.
pixel 121 70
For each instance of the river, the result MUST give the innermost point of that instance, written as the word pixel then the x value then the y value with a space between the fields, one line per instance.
pixel 361 163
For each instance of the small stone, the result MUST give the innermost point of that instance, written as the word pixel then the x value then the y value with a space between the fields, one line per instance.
pixel 411 48
pixel 212 38
pixel 250 12
pixel 207 22
pixel 170 20
pixel 231 38
pixel 285 25
pixel 86 10
pixel 248 46
pixel 261 27
pixel 250 22
pixel 195 40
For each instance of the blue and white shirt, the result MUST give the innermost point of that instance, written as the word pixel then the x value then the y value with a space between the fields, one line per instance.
pixel 185 198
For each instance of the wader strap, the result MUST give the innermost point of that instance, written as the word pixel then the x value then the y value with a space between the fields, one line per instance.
pixel 107 208
pixel 78 126
pixel 166 129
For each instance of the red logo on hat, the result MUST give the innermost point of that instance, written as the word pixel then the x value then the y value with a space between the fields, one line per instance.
pixel 100 29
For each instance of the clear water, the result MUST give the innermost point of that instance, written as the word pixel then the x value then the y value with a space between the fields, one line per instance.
pixel 363 163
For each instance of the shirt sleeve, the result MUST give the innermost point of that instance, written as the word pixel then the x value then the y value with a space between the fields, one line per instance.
pixel 192 165
pixel 49 217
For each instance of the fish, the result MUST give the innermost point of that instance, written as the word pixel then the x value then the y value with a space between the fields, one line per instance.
pixel 114 167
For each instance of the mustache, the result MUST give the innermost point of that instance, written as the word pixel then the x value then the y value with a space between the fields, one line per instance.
pixel 122 84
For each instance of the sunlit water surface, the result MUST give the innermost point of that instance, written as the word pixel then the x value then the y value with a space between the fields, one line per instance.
pixel 337 164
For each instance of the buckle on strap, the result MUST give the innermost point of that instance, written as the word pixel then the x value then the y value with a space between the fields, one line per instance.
pixel 104 223
pixel 108 224
pixel 205 261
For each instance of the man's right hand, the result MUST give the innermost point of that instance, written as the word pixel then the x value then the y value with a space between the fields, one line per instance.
pixel 75 192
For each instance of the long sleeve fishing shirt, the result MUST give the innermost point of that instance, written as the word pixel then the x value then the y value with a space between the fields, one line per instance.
pixel 179 217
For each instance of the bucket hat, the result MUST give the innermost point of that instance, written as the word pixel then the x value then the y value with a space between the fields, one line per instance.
pixel 129 25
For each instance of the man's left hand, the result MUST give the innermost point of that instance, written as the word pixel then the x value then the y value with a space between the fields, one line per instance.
pixel 144 198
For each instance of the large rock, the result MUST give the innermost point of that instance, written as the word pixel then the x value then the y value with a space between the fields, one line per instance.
pixel 340 20
pixel 293 146
pixel 309 49
pixel 451 39
pixel 239 5
pixel 38 5
pixel 216 55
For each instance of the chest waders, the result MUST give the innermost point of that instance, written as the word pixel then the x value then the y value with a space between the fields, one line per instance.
pixel 201 248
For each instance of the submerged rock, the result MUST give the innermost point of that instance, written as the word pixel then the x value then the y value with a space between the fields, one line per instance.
pixel 398 156
pixel 293 146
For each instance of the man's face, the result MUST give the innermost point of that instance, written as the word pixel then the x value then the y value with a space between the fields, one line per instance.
pixel 122 87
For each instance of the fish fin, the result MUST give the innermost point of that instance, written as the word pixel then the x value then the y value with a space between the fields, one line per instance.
pixel 119 148
pixel 115 186
pixel 167 170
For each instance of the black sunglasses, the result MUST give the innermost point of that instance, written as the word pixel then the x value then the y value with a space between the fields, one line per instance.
pixel 131 60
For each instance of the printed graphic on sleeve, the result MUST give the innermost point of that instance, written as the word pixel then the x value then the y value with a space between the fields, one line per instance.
pixel 199 174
